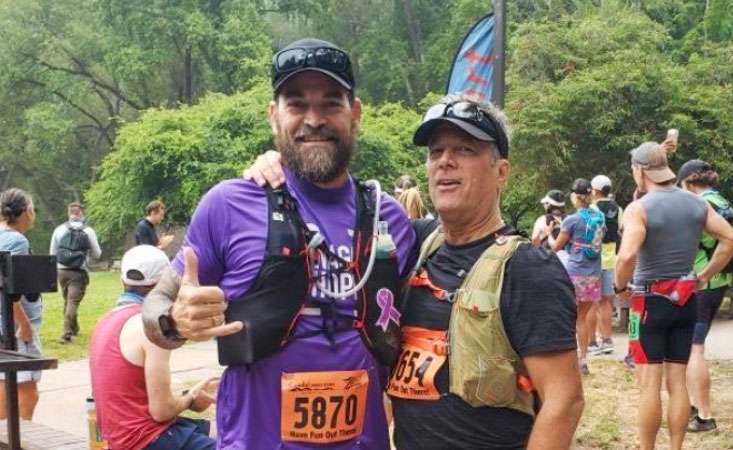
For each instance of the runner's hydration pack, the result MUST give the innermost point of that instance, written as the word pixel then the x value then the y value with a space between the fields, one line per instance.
pixel 73 247
pixel 595 229
pixel 725 209
pixel 610 210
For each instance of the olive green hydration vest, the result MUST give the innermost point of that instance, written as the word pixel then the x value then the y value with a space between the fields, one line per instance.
pixel 484 369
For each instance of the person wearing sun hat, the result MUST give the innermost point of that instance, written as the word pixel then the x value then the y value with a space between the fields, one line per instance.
pixel 554 205
pixel 654 266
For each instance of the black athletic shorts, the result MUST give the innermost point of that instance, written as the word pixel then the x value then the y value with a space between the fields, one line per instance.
pixel 708 303
pixel 660 330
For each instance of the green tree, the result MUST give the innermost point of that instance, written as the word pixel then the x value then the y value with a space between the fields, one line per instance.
pixel 177 155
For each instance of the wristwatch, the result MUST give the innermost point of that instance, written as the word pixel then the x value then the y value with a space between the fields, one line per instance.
pixel 618 291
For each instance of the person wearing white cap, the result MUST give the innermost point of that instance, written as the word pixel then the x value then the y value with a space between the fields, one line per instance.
pixel 131 381
pixel 662 231
pixel 603 315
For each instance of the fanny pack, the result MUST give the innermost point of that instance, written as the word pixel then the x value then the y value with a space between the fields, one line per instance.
pixel 679 291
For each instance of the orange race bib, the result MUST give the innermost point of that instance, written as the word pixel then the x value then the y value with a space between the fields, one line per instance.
pixel 323 407
pixel 423 354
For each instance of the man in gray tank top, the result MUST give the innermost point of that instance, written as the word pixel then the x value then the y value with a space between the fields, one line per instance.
pixel 661 234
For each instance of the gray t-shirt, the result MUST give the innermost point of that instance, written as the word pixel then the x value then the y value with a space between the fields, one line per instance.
pixel 578 263
pixel 674 223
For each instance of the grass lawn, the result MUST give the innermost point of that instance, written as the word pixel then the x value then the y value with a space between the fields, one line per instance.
pixel 102 292
pixel 609 419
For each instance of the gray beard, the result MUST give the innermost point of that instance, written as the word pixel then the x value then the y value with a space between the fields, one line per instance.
pixel 322 165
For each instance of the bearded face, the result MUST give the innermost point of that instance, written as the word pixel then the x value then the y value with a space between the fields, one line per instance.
pixel 318 155
pixel 315 126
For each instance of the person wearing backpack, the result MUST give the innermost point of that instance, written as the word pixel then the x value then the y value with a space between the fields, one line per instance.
pixel 601 319
pixel 654 267
pixel 581 235
pixel 73 242
pixel 700 178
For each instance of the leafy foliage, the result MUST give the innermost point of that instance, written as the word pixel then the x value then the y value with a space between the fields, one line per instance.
pixel 132 100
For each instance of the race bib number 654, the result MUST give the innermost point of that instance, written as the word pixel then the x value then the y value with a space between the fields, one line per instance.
pixel 323 407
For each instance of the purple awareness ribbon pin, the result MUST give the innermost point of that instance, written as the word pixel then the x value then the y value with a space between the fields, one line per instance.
pixel 385 300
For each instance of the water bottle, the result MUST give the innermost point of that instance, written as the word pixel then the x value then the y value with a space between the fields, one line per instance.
pixel 386 247
pixel 96 442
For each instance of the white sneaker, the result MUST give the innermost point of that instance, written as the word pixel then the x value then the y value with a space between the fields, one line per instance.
pixel 606 347
pixel 594 349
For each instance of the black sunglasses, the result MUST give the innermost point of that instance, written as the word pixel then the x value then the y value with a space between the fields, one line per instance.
pixel 470 111
pixel 326 58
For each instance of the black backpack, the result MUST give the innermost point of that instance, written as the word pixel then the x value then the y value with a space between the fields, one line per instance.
pixel 610 210
pixel 73 248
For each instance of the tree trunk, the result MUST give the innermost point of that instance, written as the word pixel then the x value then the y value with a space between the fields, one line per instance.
pixel 413 31
pixel 188 77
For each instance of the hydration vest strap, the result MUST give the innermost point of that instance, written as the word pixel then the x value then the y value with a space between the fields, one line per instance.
pixel 421 279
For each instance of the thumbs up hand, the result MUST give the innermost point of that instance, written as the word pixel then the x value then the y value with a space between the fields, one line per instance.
pixel 198 311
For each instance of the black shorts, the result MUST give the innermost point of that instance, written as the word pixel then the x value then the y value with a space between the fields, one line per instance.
pixel 708 303
pixel 660 330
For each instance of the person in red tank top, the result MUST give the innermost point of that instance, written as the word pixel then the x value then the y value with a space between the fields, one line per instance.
pixel 131 382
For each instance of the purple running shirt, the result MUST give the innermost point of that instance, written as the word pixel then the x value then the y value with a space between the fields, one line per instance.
pixel 228 232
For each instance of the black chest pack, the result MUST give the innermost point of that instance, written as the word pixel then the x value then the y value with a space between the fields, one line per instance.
pixel 610 210
pixel 280 294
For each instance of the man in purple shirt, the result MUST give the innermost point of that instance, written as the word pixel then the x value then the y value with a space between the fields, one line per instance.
pixel 323 388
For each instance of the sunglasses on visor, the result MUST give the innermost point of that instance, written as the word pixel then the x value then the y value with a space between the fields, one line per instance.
pixel 469 111
pixel 461 110
pixel 331 59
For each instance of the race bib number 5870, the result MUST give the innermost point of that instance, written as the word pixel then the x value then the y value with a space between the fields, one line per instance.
pixel 323 407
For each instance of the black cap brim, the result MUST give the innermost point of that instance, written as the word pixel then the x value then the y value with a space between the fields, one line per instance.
pixel 278 84
pixel 425 131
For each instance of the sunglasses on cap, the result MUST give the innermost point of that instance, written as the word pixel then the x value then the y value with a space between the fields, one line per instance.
pixel 469 111
pixel 327 58
pixel 461 110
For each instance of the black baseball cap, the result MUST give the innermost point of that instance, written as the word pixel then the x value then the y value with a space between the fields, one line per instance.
pixel 314 55
pixel 469 117
pixel 581 186
pixel 692 167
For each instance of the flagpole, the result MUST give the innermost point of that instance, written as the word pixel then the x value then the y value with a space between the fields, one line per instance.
pixel 500 53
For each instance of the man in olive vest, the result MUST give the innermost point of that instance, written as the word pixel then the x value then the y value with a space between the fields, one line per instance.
pixel 505 309
pixel 489 323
